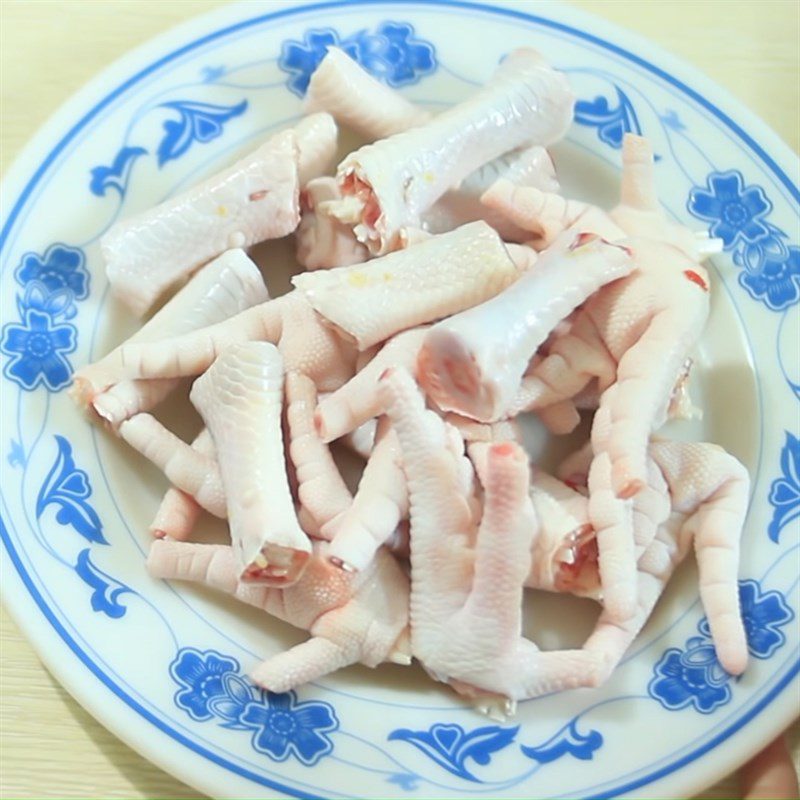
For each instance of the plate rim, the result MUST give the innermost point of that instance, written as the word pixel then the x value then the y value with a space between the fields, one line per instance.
pixel 678 73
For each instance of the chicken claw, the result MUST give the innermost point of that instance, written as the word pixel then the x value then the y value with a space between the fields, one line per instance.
pixel 352 617
pixel 240 399
pixel 466 589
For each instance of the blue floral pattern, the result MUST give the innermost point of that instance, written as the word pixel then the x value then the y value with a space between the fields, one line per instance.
pixel 694 677
pixel 784 494
pixel 117 175
pixel 61 267
pixel 284 727
pixel 449 745
pixel 611 122
pixel 107 590
pixel 281 726
pixel 37 346
pixel 737 214
pixel 392 54
pixel 567 741
pixel 197 122
pixel 68 488
pixel 37 350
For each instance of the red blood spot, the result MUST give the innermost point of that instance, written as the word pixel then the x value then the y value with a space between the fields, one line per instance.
pixel 258 195
pixel 695 278
pixel 503 449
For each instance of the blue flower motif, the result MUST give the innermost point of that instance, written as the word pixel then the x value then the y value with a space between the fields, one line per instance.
pixel 690 677
pixel 763 615
pixel 200 675
pixel 567 740
pixel 198 122
pixel 68 487
pixel 405 59
pixel 776 281
pixel 449 745
pixel 117 175
pixel 39 298
pixel 735 210
pixel 37 349
pixel 61 267
pixel 612 123
pixel 284 727
pixel 784 494
pixel 392 54
pixel 106 589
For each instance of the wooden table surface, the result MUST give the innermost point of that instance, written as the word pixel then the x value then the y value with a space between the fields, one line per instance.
pixel 49 746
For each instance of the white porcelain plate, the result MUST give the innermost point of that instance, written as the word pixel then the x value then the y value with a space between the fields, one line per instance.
pixel 164 666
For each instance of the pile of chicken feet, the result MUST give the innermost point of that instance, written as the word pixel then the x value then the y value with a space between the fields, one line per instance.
pixel 449 288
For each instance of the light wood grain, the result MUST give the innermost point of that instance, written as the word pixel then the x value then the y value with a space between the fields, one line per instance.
pixel 49 746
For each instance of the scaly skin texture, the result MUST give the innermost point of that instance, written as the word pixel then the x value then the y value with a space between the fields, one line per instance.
pixel 435 278
pixel 240 399
pixel 356 99
pixel 696 494
pixel 306 343
pixel 352 617
pixel 630 340
pixel 189 469
pixel 473 362
pixel 358 400
pixel 179 511
pixel 227 285
pixel 254 200
pixel 379 506
pixel 322 493
pixel 466 579
pixel 389 185
pixel 708 493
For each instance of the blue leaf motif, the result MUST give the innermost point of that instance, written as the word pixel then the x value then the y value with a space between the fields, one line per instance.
pixel 612 123
pixel 106 589
pixel 449 745
pixel 117 175
pixel 68 487
pixel 198 122
pixel 784 494
pixel 405 780
pixel 568 740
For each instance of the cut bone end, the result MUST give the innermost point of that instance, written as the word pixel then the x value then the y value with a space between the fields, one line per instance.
pixel 451 377
pixel 332 420
pixel 276 566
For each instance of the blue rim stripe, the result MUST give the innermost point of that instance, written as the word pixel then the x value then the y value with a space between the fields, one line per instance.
pixel 323 6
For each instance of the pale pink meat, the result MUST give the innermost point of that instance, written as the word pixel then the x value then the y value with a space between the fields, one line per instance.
pixel 306 344
pixel 227 285
pixel 390 185
pixel 435 278
pixel 352 617
pixel 378 508
pixel 179 511
pixel 322 493
pixel 473 362
pixel 193 471
pixel 358 400
pixel 466 578
pixel 344 89
pixel 254 200
pixel 240 399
